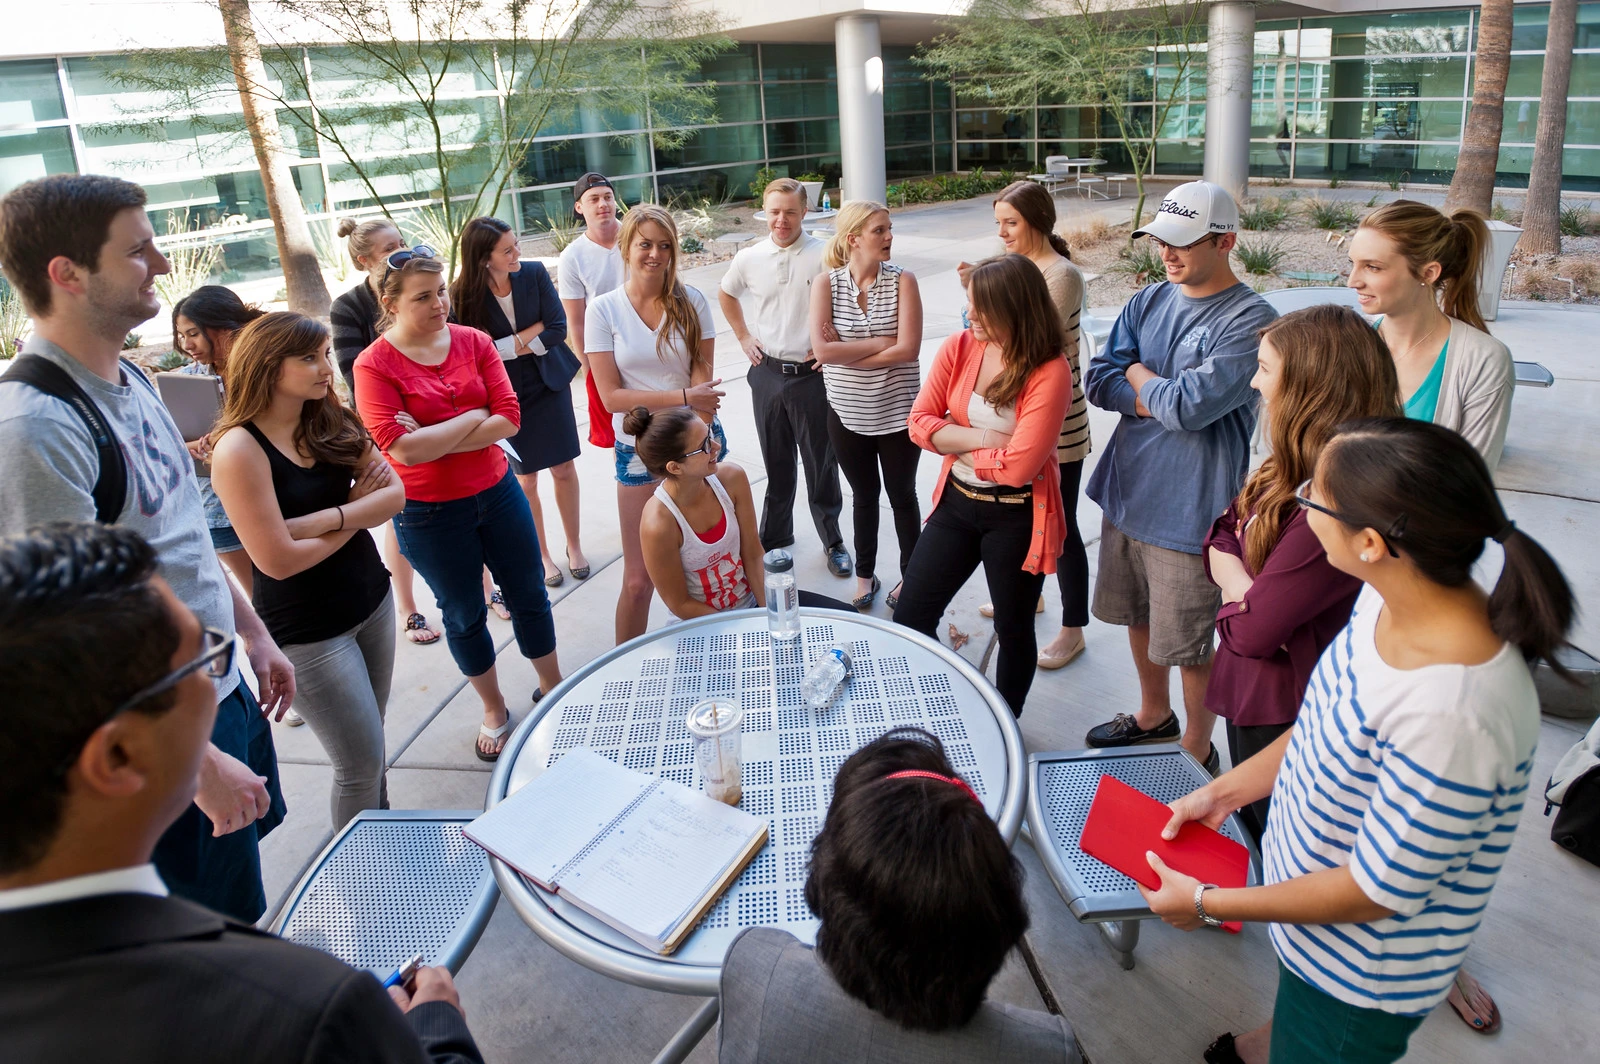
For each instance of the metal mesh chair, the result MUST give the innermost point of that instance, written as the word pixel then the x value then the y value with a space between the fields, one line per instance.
pixel 394 883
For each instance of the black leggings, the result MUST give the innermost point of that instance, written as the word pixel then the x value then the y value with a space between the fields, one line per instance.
pixel 859 458
pixel 1243 744
pixel 961 534
pixel 1072 571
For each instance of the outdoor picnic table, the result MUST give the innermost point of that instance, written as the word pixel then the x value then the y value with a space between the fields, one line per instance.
pixel 630 705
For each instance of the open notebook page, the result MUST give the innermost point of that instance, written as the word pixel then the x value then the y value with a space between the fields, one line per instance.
pixel 553 817
pixel 657 865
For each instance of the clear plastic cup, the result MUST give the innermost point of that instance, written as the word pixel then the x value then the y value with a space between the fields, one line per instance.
pixel 714 724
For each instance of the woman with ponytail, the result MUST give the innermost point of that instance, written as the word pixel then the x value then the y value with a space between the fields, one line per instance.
pixel 1420 272
pixel 1396 794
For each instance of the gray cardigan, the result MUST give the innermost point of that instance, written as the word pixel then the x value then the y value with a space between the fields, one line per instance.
pixel 781 1006
pixel 1475 394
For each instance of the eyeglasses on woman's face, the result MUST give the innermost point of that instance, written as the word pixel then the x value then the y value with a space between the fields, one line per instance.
pixel 1302 495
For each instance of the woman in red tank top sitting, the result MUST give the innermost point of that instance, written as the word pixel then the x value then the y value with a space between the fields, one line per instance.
pixel 701 547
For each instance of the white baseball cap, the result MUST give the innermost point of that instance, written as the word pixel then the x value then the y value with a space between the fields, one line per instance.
pixel 1192 212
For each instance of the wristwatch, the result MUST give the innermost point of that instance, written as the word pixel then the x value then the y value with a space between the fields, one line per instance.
pixel 1200 907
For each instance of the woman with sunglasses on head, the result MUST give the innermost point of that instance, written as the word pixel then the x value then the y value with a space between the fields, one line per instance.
pixel 1420 272
pixel 699 529
pixel 353 323
pixel 650 344
pixel 515 302
pixel 436 398
pixel 1397 792
pixel 866 333
pixel 992 406
pixel 305 483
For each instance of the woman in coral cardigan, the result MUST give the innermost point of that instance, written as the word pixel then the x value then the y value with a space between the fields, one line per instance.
pixel 992 406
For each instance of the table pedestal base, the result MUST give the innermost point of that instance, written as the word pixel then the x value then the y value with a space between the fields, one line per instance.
pixel 1122 936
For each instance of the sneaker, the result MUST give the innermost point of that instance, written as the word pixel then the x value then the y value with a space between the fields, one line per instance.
pixel 1124 730
pixel 293 719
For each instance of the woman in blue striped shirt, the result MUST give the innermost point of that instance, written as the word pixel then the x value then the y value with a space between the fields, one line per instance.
pixel 1397 792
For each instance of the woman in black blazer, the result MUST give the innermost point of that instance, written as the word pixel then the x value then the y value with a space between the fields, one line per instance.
pixel 515 302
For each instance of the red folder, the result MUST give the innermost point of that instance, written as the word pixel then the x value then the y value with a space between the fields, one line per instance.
pixel 1124 823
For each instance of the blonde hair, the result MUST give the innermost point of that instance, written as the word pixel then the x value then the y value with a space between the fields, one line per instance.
pixel 363 236
pixel 1424 234
pixel 852 220
pixel 678 314
pixel 788 186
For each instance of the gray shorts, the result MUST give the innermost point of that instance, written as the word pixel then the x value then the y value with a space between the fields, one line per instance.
pixel 1139 583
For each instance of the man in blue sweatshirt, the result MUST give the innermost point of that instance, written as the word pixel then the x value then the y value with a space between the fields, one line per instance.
pixel 1177 367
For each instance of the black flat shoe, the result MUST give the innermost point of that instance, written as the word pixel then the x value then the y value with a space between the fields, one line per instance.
pixel 864 602
pixel 1222 1052
pixel 1213 763
pixel 578 572
pixel 1124 730
pixel 839 562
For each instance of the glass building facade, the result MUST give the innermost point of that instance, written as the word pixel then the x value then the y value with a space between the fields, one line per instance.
pixel 1367 97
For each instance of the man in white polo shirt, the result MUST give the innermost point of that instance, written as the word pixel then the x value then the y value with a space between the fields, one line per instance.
pixel 786 390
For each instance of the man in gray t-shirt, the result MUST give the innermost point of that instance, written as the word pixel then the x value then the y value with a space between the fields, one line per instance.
pixel 80 251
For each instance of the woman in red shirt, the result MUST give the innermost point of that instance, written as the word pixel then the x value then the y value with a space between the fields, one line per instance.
pixel 1282 602
pixel 993 405
pixel 437 401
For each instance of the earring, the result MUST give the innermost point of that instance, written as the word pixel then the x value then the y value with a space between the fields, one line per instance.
pixel 1366 557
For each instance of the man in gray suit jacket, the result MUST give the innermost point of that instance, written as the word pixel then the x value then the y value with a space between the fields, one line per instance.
pixel 110 704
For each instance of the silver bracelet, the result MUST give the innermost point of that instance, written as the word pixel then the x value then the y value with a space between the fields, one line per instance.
pixel 1200 907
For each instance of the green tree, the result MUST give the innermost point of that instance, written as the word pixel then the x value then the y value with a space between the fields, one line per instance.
pixel 1133 67
pixel 1472 185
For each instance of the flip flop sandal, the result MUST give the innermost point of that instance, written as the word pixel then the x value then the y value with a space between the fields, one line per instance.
pixel 1472 1020
pixel 578 573
pixel 418 623
pixel 497 602
pixel 492 734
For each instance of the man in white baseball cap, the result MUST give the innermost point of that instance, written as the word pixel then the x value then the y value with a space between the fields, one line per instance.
pixel 1177 367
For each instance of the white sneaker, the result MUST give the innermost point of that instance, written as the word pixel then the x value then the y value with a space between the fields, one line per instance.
pixel 293 719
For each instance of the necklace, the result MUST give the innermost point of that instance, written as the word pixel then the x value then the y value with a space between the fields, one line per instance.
pixel 1411 349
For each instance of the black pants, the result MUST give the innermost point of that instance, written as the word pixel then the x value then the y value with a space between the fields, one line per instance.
pixel 1072 570
pixel 860 457
pixel 792 412
pixel 962 533
pixel 823 602
pixel 1243 744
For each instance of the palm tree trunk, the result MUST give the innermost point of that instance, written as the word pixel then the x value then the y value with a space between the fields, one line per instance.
pixel 302 275
pixel 1473 182
pixel 1541 216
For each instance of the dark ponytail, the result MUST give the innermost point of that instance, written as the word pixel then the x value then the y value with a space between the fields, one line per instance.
pixel 658 437
pixel 1038 209
pixel 1428 492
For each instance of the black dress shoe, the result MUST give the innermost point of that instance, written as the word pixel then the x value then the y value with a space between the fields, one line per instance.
pixel 1222 1051
pixel 839 562
pixel 1124 730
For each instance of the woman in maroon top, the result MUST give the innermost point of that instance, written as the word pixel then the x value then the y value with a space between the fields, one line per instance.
pixel 1282 603
pixel 437 401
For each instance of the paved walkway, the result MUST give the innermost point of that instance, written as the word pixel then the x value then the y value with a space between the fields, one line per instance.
pixel 1538 951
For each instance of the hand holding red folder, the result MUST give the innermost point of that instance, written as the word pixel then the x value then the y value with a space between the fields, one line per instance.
pixel 1125 825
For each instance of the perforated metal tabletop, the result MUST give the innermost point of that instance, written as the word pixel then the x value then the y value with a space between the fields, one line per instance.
pixel 630 704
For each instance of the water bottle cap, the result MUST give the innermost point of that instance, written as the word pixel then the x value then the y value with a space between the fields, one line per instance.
pixel 778 561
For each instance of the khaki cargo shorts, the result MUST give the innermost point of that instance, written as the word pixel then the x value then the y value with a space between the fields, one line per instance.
pixel 1139 583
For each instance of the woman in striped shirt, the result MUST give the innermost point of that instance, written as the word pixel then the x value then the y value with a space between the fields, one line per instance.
pixel 866 333
pixel 1396 794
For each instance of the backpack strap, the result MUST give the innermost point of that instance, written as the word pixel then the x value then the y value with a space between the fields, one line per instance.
pixel 111 486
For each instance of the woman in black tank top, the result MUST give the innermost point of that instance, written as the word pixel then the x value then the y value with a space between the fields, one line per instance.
pixel 302 482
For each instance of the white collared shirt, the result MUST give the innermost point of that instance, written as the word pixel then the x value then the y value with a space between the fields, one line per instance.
pixel 140 879
pixel 780 280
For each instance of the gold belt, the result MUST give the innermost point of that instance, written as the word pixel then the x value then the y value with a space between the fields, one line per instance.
pixel 1025 495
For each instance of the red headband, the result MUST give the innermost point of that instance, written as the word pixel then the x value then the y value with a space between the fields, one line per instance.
pixel 914 773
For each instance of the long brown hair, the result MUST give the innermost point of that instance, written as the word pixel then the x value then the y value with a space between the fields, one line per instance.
pixel 1334 367
pixel 328 431
pixel 395 281
pixel 1009 293
pixel 678 316
pixel 1423 234
pixel 469 292
pixel 1037 208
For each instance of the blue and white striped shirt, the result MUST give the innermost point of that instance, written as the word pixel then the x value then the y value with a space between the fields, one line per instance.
pixel 1414 779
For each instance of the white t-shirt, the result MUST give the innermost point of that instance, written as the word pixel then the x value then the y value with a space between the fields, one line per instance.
pixel 980 415
pixel 611 324
pixel 780 280
pixel 1414 779
pixel 587 271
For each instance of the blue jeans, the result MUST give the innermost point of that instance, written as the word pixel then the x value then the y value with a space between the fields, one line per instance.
pixel 449 543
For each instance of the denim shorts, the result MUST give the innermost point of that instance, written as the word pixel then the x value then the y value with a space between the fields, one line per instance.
pixel 225 539
pixel 630 467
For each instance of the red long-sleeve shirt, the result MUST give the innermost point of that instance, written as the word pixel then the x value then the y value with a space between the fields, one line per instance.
pixel 472 376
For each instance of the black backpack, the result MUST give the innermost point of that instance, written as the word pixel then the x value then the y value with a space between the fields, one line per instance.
pixel 111 487
pixel 1574 788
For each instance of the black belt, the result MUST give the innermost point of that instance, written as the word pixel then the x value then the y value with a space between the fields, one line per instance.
pixel 1010 495
pixel 788 369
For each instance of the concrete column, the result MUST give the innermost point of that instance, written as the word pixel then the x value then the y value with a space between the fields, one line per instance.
pixel 1230 45
pixel 860 56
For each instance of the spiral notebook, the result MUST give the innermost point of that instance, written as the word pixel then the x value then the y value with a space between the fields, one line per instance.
pixel 646 855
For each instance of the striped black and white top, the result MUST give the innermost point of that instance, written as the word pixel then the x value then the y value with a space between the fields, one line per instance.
pixel 1412 779
pixel 1065 283
pixel 872 402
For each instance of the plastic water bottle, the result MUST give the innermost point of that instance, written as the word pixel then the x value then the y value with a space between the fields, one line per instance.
pixel 825 676
pixel 827 202
pixel 783 598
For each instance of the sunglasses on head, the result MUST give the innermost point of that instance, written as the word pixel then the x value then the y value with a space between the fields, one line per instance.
pixel 399 258
pixel 1397 527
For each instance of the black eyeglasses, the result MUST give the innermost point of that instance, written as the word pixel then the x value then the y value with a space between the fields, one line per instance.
pixel 399 258
pixel 216 658
pixel 1396 527
pixel 704 448
pixel 1162 245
